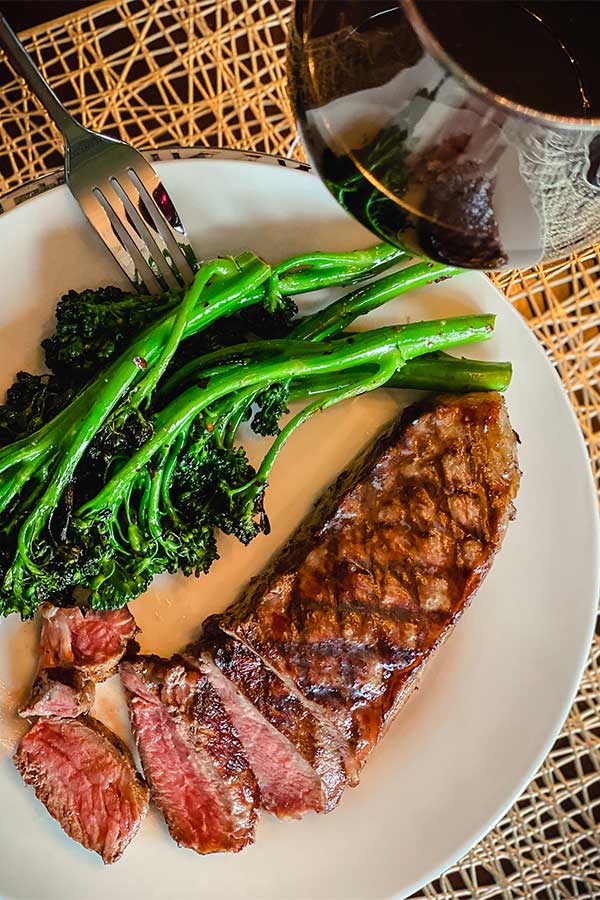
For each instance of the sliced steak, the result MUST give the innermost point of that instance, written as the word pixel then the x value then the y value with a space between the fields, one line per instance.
pixel 378 575
pixel 65 693
pixel 90 640
pixel 198 775
pixel 85 777
pixel 298 768
pixel 77 648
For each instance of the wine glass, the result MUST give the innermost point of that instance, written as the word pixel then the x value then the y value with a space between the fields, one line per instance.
pixel 427 155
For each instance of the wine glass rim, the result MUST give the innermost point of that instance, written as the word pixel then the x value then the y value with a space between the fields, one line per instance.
pixel 433 46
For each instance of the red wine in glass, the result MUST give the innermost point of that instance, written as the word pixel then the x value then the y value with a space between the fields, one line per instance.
pixel 466 131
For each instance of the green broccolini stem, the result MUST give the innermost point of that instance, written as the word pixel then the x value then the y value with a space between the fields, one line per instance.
pixel 317 327
pixel 369 348
pixel 354 260
pixel 155 494
pixel 230 296
pixel 147 386
pixel 339 314
pixel 112 385
pixel 313 271
pixel 226 416
pixel 433 372
pixel 352 388
pixel 441 372
pixel 170 466
pixel 231 358
pixel 238 415
pixel 11 487
pixel 145 486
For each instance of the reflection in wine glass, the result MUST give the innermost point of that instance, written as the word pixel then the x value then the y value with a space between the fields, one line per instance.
pixel 423 154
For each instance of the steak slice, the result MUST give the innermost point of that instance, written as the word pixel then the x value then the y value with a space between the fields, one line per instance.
pixel 379 573
pixel 77 649
pixel 85 777
pixel 64 693
pixel 295 758
pixel 90 640
pixel 192 758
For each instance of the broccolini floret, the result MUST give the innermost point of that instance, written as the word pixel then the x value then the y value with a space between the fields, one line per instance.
pixel 126 469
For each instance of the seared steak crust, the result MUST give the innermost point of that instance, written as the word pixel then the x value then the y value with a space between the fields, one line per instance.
pixel 288 786
pixel 287 692
pixel 313 738
pixel 65 693
pixel 362 594
pixel 191 755
pixel 85 777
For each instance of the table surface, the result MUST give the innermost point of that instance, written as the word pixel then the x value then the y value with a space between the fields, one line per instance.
pixel 24 14
pixel 212 72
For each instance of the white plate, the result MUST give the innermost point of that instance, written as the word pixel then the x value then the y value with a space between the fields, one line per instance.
pixel 495 696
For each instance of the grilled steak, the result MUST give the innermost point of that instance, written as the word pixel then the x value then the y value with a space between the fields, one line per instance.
pixel 294 757
pixel 77 649
pixel 65 693
pixel 287 692
pixel 85 777
pixel 354 606
pixel 191 755
pixel 93 641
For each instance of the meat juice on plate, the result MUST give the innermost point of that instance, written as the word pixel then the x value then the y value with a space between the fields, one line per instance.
pixel 463 130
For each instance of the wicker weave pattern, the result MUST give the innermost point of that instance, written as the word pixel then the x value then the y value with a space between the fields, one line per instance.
pixel 212 72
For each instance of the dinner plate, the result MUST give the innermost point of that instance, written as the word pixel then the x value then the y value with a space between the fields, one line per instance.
pixel 494 696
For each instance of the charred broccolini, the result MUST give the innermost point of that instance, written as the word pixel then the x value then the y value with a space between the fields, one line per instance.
pixel 128 472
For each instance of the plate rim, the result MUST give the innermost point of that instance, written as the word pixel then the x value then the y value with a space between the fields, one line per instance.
pixel 592 492
pixel 55 178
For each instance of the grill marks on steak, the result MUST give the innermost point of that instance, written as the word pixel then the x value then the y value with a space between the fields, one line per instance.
pixel 198 774
pixel 84 775
pixel 288 690
pixel 297 759
pixel 379 573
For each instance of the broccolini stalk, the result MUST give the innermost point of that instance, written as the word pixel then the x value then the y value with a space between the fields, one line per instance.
pixel 231 358
pixel 320 325
pixel 222 267
pixel 432 372
pixel 399 343
pixel 441 372
pixel 313 271
pixel 351 386
pixel 341 313
pixel 76 426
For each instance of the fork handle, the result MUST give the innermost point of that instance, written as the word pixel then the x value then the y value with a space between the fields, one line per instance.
pixel 23 63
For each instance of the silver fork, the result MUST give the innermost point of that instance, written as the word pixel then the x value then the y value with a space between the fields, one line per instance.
pixel 118 191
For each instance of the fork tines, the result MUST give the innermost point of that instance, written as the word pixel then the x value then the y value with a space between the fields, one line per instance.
pixel 137 220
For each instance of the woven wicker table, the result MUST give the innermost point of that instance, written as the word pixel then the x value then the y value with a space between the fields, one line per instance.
pixel 160 73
